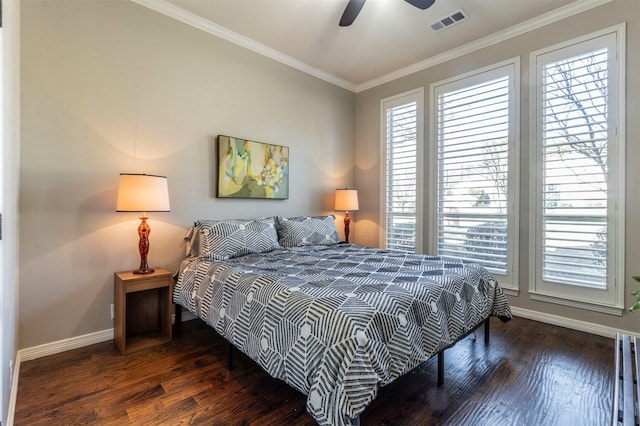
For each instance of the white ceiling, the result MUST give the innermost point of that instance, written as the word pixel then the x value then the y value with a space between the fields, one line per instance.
pixel 389 38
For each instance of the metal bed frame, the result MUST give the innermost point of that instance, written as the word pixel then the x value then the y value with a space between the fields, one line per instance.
pixel 356 421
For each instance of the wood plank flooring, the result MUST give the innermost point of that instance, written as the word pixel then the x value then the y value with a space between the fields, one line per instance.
pixel 530 374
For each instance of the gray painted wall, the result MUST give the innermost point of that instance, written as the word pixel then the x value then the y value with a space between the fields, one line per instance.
pixel 111 87
pixel 368 142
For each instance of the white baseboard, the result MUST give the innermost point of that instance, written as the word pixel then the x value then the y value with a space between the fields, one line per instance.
pixel 77 342
pixel 13 394
pixel 588 327
pixel 65 345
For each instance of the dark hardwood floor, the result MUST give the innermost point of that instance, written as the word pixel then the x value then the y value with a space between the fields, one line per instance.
pixel 530 374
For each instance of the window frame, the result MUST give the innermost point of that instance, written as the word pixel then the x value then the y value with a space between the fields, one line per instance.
pixel 510 68
pixel 417 96
pixel 611 300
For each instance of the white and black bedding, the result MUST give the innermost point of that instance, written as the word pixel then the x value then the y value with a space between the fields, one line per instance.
pixel 337 321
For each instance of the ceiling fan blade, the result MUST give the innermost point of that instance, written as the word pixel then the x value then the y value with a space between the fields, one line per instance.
pixel 351 12
pixel 421 4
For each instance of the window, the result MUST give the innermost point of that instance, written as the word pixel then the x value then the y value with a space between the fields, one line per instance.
pixel 579 172
pixel 474 149
pixel 402 150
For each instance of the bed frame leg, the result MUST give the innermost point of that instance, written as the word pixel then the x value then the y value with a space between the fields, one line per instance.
pixel 229 356
pixel 486 331
pixel 441 368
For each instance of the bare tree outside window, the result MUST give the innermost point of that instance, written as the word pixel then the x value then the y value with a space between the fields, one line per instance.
pixel 575 148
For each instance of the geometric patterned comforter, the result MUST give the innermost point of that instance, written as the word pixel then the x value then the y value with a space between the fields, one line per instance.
pixel 337 322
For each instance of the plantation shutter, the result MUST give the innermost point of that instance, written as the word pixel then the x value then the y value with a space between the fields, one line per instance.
pixel 578 160
pixel 401 162
pixel 472 172
pixel 575 163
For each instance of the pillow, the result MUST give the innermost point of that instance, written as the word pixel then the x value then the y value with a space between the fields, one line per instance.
pixel 307 230
pixel 224 239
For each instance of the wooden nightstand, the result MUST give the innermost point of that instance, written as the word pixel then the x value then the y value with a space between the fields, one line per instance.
pixel 142 311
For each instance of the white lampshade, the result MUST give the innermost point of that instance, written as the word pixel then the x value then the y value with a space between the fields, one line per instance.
pixel 142 193
pixel 346 200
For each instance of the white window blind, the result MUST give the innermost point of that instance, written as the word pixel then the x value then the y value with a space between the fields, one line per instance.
pixel 473 140
pixel 577 160
pixel 401 148
pixel 575 163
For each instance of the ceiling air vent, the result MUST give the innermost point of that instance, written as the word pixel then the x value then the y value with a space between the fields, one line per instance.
pixel 449 20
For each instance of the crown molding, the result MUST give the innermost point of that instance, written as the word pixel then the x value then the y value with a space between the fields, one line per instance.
pixel 506 34
pixel 212 28
pixel 224 33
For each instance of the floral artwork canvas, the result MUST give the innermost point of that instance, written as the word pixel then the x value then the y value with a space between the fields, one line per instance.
pixel 248 169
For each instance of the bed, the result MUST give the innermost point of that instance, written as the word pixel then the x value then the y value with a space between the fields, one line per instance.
pixel 335 321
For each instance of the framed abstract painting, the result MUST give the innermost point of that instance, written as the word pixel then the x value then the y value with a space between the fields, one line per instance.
pixel 249 169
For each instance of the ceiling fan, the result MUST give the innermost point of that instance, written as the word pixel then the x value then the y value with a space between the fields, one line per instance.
pixel 354 6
